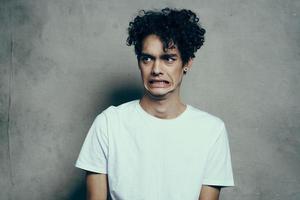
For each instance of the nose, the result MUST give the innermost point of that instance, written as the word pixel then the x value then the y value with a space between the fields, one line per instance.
pixel 156 68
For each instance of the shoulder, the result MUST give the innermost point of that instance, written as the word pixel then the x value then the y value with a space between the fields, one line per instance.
pixel 122 109
pixel 205 117
pixel 210 126
pixel 112 115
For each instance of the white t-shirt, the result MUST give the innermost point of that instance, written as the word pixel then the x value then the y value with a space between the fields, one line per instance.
pixel 148 158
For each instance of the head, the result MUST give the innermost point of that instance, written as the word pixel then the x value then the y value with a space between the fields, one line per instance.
pixel 165 43
pixel 174 27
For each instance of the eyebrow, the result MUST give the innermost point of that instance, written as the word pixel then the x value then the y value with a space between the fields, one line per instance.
pixel 146 55
pixel 165 55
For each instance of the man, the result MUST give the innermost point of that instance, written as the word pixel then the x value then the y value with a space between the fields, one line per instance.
pixel 158 148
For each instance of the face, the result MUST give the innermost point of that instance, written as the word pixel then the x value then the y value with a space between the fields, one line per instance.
pixel 161 71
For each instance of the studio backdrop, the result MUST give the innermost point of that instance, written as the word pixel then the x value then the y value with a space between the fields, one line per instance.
pixel 62 62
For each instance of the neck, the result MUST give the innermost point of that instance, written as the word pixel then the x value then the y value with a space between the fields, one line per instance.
pixel 163 108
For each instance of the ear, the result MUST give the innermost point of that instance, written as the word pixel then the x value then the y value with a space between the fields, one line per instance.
pixel 189 64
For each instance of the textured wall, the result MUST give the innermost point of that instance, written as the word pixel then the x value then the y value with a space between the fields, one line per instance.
pixel 62 62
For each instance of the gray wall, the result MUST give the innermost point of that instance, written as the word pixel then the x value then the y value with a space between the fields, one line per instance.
pixel 62 62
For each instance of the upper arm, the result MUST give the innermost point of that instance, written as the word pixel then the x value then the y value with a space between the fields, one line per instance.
pixel 97 186
pixel 209 192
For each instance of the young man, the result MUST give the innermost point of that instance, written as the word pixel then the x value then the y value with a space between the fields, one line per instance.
pixel 158 148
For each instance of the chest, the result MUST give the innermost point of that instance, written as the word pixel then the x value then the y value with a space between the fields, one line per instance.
pixel 147 159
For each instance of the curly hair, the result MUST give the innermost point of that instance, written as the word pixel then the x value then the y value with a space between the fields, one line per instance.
pixel 174 27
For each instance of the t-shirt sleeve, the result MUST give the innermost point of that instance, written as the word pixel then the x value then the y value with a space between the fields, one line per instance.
pixel 218 169
pixel 94 151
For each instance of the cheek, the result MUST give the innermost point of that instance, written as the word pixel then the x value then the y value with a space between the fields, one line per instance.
pixel 176 77
pixel 144 74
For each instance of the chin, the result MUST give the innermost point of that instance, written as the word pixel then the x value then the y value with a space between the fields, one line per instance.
pixel 158 93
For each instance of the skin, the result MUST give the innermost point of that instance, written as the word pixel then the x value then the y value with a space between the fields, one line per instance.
pixel 162 73
pixel 161 100
pixel 209 192
pixel 97 186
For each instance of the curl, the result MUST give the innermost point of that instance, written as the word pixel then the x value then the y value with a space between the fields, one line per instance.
pixel 177 27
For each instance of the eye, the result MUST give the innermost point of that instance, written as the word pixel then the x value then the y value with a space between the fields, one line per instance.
pixel 146 59
pixel 170 60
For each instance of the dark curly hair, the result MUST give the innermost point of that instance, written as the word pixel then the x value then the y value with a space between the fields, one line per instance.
pixel 172 26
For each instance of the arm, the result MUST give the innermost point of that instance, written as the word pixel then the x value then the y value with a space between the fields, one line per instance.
pixel 209 192
pixel 97 186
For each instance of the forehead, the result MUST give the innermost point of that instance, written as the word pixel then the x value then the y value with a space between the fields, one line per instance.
pixel 153 45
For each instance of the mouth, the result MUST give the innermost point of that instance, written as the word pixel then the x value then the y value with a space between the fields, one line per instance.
pixel 159 83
